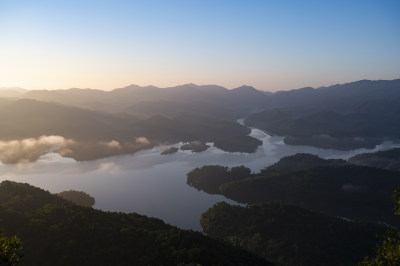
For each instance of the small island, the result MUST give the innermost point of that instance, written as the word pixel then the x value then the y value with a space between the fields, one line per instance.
pixel 195 146
pixel 210 177
pixel 169 150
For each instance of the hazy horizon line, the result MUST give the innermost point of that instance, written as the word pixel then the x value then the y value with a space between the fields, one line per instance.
pixel 191 84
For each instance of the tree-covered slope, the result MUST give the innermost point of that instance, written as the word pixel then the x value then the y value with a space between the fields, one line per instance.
pixel 300 161
pixel 78 197
pixel 327 186
pixel 354 192
pixel 289 235
pixel 388 159
pixel 57 232
pixel 210 177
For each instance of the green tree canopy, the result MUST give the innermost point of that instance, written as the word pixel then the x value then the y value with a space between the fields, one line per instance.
pixel 10 250
pixel 388 252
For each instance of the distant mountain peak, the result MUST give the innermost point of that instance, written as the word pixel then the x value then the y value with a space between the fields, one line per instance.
pixel 191 85
pixel 246 90
pixel 132 86
pixel 245 87
pixel 151 87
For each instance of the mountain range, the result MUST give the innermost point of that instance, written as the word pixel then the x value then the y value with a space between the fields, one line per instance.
pixel 147 101
pixel 360 114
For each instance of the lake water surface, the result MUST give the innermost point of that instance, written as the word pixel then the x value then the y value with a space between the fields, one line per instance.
pixel 152 184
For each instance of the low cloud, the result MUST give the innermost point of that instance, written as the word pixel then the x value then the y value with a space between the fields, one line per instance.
pixel 142 140
pixel 110 167
pixel 28 150
pixel 112 144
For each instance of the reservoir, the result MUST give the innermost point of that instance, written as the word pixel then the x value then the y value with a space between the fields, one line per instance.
pixel 152 184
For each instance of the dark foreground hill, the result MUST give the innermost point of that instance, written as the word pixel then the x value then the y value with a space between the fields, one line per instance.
pixel 57 232
pixel 289 235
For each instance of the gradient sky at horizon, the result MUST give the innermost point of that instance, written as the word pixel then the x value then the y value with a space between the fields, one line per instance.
pixel 271 45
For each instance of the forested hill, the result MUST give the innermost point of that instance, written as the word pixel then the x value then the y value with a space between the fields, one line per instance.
pixel 328 186
pixel 289 235
pixel 355 192
pixel 305 210
pixel 388 159
pixel 57 232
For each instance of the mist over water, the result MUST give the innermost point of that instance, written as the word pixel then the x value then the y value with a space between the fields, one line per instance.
pixel 152 184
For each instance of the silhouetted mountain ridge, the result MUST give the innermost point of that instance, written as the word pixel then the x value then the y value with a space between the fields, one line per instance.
pixel 136 99
pixel 360 114
pixel 340 97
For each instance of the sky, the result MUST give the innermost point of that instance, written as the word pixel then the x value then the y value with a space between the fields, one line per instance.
pixel 271 45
